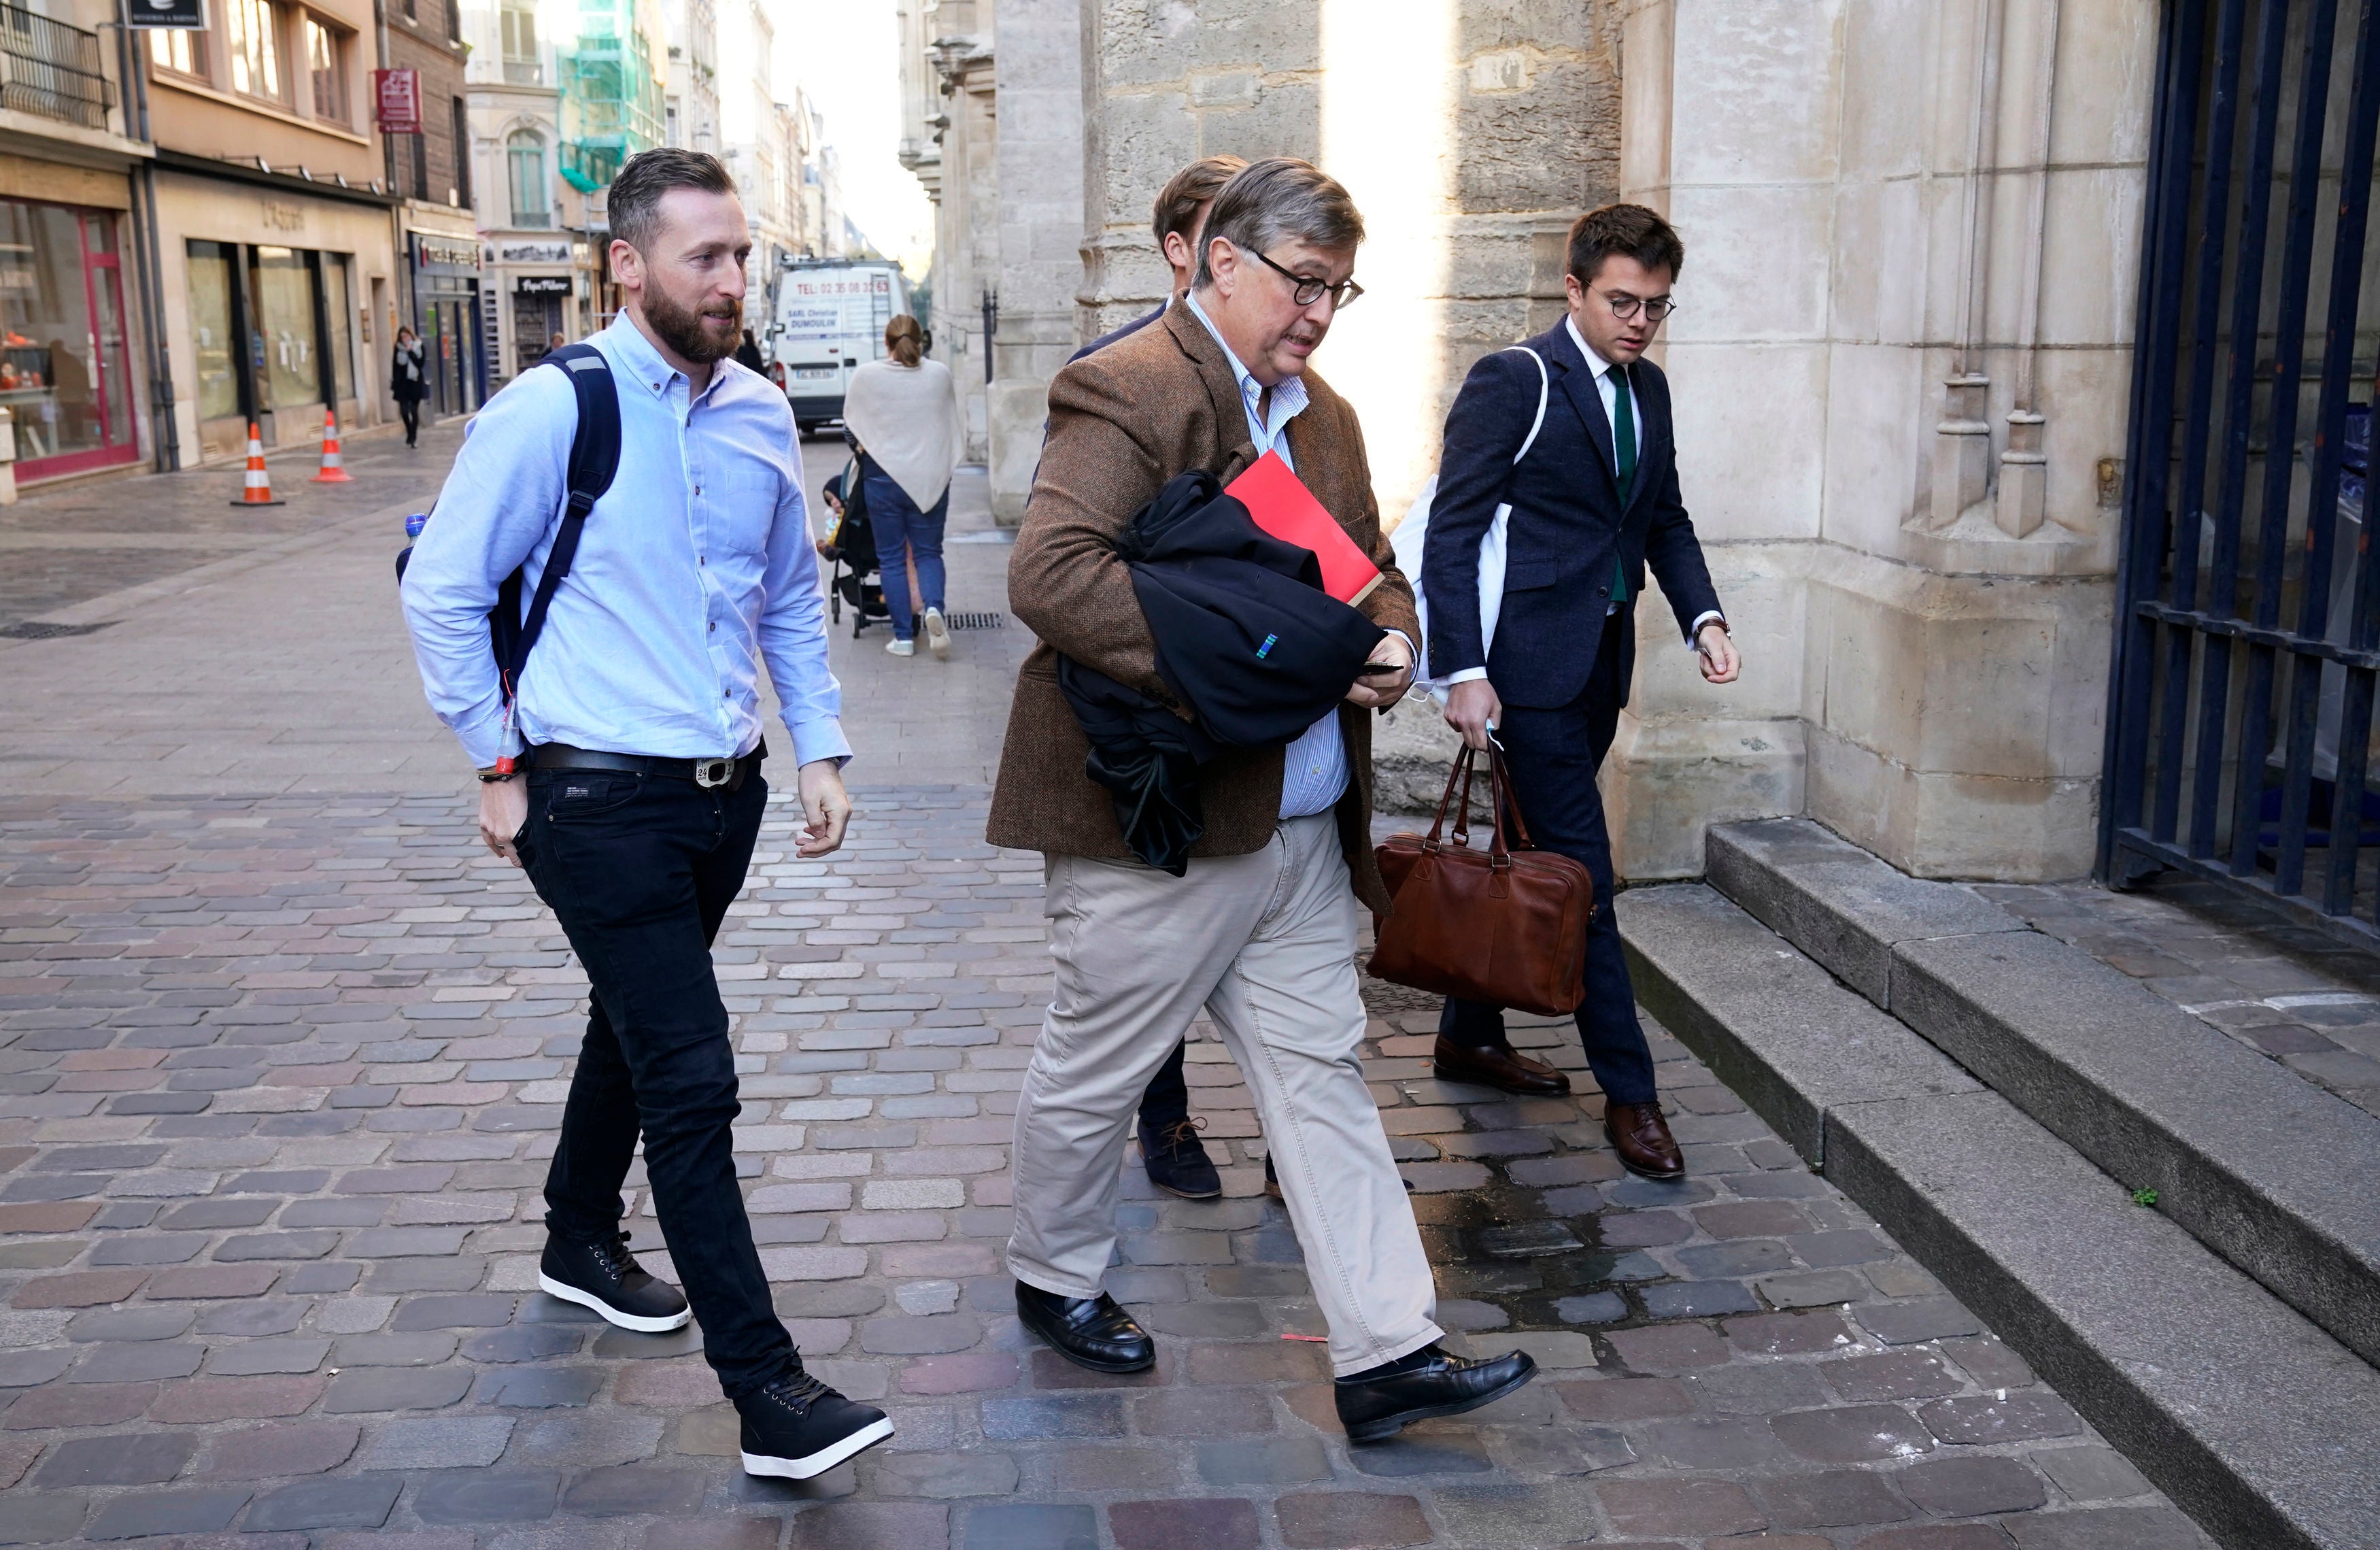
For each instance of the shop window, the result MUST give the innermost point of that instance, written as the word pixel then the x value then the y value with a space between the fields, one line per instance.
pixel 65 364
pixel 325 65
pixel 284 314
pixel 524 156
pixel 214 333
pixel 178 48
pixel 252 29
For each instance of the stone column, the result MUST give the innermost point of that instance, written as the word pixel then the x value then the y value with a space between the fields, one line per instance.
pixel 1861 195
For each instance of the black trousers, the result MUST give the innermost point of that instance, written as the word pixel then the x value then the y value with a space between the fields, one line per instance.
pixel 1552 756
pixel 1167 1100
pixel 410 408
pixel 640 869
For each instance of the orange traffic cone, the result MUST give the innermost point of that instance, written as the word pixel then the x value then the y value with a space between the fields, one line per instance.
pixel 257 488
pixel 333 470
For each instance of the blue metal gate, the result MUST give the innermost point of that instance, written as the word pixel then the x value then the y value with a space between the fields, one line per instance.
pixel 2248 630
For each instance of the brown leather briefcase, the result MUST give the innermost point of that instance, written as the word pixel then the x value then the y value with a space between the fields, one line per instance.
pixel 1504 926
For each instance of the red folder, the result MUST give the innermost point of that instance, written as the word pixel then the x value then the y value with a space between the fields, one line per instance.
pixel 1284 507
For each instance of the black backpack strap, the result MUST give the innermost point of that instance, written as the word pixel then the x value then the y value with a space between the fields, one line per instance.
pixel 594 458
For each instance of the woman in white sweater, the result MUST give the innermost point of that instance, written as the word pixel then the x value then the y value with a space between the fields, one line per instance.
pixel 904 413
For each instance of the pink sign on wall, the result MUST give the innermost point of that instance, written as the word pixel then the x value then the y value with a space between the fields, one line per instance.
pixel 397 96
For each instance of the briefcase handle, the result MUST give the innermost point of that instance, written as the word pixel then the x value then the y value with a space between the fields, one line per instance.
pixel 1499 788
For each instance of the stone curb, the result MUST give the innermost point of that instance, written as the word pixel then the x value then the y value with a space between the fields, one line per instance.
pixel 2253 1419
pixel 2266 1169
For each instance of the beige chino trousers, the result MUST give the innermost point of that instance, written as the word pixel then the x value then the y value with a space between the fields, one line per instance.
pixel 1267 944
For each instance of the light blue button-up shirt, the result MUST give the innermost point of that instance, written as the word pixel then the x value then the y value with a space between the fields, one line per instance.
pixel 1314 768
pixel 693 567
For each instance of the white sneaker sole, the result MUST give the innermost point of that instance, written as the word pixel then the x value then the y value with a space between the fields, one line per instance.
pixel 938 637
pixel 641 1325
pixel 824 1460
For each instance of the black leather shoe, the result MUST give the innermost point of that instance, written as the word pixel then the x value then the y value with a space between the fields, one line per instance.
pixel 1496 1065
pixel 1087 1331
pixel 1377 1403
pixel 1177 1161
pixel 603 1275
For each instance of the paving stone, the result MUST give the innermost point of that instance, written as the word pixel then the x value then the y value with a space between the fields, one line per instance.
pixel 2112 1528
pixel 211 1281
pixel 88 1289
pixel 1330 1519
pixel 1989 1418
pixel 1429 1448
pixel 41 1519
pixel 1709 1443
pixel 438 1443
pixel 541 1389
pixel 714 1533
pixel 356 1502
pixel 1624 1399
pixel 395 1388
pixel 142 1458
pixel 1176 1411
pixel 454 1313
pixel 940 1475
pixel 486 1496
pixel 1270 1461
pixel 277 1317
pixel 2091 1473
pixel 847 1525
pixel 300 1448
pixel 1836 1498
pixel 1668 1347
pixel 633 1492
pixel 28 1369
pixel 252 1357
pixel 167 1512
pixel 1901 1323
pixel 1853 1433
pixel 523 1343
pixel 1970 1487
pixel 137 1363
pixel 1030 1527
pixel 81 1405
pixel 1213 1523
pixel 1692 1507
pixel 1073 1415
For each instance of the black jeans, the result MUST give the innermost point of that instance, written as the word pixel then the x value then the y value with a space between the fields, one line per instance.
pixel 1553 756
pixel 641 871
pixel 1167 1101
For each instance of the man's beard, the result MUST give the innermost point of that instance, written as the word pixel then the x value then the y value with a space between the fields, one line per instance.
pixel 683 330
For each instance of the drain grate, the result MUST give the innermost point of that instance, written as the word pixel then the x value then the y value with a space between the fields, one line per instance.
pixel 978 621
pixel 34 629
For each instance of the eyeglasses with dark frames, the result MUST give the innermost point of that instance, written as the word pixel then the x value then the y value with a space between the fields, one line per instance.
pixel 1625 307
pixel 1308 289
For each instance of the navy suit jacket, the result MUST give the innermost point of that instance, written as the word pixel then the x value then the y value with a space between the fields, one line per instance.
pixel 1568 532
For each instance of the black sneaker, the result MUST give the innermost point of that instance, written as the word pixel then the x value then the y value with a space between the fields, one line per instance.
pixel 603 1275
pixel 797 1427
pixel 1177 1161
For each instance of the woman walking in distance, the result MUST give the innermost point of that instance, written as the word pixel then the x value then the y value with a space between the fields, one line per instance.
pixel 407 383
pixel 903 413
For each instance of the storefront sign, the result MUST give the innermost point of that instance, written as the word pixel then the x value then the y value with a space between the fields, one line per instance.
pixel 397 94
pixel 165 12
pixel 450 252
pixel 535 252
pixel 542 285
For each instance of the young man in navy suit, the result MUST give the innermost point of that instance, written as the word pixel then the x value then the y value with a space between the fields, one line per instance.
pixel 1594 503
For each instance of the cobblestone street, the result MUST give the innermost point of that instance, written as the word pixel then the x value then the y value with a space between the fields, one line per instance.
pixel 281 1063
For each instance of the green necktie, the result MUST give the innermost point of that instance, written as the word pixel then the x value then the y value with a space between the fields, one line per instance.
pixel 1623 445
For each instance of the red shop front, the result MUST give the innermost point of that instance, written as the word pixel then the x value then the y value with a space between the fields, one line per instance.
pixel 65 361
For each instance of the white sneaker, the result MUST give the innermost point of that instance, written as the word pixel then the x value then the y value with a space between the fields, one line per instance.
pixel 938 635
pixel 901 648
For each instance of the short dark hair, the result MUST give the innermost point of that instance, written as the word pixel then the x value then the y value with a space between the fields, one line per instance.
pixel 1623 229
pixel 1277 199
pixel 1189 191
pixel 634 206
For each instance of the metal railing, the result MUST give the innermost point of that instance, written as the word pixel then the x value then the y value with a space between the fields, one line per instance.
pixel 51 69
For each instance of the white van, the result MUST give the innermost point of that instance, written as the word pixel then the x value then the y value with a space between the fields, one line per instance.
pixel 831 317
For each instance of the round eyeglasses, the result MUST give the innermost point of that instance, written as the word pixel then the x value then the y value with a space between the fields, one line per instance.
pixel 1308 289
pixel 1626 306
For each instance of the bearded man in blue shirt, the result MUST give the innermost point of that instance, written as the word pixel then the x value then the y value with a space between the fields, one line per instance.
pixel 626 774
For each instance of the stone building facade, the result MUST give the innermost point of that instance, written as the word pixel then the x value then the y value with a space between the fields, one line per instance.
pixel 1901 359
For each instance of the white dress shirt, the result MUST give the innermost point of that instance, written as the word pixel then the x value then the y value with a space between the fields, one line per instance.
pixel 1314 768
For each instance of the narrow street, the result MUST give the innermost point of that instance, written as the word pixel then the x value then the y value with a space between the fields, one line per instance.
pixel 282 1055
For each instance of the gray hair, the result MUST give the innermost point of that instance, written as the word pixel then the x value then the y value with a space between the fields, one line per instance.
pixel 633 205
pixel 1278 199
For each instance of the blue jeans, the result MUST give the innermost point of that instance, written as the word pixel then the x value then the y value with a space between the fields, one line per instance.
pixel 899 526
pixel 640 869
pixel 1553 756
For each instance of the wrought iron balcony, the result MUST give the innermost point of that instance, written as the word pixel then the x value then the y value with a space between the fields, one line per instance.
pixel 51 69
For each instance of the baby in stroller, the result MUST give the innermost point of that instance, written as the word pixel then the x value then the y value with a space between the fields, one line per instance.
pixel 849 549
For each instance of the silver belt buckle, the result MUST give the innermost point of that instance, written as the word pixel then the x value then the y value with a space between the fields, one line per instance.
pixel 711 774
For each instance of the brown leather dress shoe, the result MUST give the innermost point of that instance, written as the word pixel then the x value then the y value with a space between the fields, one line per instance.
pixel 1496 1066
pixel 1641 1136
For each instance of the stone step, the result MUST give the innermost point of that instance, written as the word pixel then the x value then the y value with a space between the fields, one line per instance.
pixel 2254 1421
pixel 2265 1168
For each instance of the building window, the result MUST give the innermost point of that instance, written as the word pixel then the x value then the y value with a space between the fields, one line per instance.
pixel 518 26
pixel 178 48
pixel 255 48
pixel 325 51
pixel 420 164
pixel 65 361
pixel 453 21
pixel 458 114
pixel 525 156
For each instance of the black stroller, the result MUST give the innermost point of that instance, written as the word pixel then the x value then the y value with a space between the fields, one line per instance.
pixel 849 550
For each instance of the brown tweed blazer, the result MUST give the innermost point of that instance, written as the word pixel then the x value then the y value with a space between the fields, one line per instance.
pixel 1122 422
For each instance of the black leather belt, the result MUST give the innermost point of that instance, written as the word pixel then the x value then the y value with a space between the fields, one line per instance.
pixel 708 773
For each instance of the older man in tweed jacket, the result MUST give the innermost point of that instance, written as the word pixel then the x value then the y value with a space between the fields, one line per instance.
pixel 1262 931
